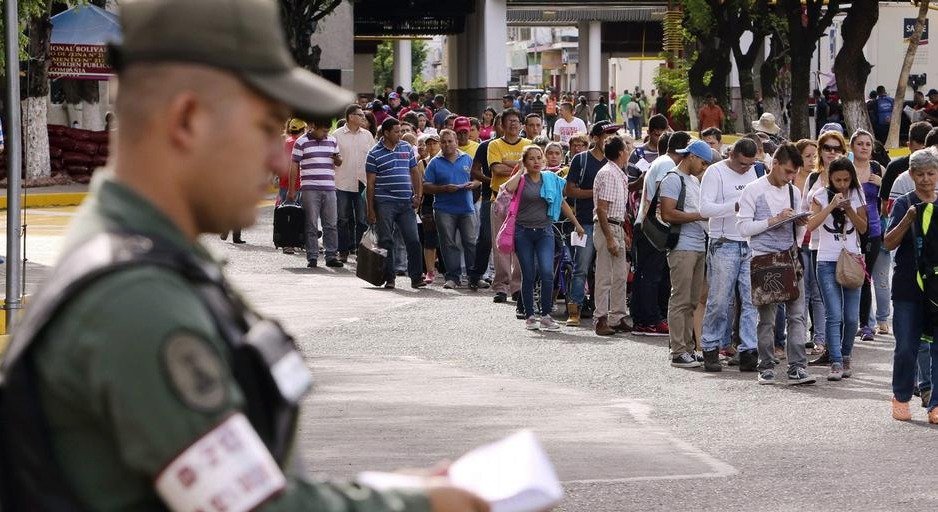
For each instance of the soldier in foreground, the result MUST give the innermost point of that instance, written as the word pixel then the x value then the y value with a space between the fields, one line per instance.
pixel 138 379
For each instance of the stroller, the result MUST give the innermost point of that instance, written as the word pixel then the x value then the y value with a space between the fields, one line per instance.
pixel 562 268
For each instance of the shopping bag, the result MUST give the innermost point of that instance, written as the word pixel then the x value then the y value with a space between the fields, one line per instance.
pixel 371 259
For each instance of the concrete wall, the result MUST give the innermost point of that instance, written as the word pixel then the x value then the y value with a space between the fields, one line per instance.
pixel 335 36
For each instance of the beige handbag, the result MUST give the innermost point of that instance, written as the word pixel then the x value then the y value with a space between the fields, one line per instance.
pixel 851 268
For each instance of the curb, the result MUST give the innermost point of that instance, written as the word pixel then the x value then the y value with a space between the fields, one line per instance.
pixel 47 200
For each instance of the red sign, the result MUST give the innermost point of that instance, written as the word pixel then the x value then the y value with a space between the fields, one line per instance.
pixel 80 61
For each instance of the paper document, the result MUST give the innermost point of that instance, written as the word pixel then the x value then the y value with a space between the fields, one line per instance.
pixel 642 165
pixel 576 240
pixel 512 475
pixel 793 218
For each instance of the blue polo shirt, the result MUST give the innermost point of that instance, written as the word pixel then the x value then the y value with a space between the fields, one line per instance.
pixel 392 171
pixel 443 172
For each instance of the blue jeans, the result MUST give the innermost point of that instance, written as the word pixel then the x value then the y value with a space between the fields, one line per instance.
pixel 843 311
pixel 400 215
pixel 447 226
pixel 882 287
pixel 727 271
pixel 814 305
pixel 352 222
pixel 534 248
pixel 582 259
pixel 635 125
pixel 907 324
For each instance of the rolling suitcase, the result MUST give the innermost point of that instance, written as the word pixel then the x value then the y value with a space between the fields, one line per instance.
pixel 289 226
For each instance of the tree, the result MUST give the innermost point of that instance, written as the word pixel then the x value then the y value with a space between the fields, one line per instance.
pixel 753 16
pixel 300 18
pixel 892 141
pixel 851 67
pixel 34 108
pixel 773 74
pixel 807 21
pixel 710 26
pixel 384 63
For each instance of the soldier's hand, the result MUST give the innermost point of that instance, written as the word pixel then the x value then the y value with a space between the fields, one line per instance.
pixel 446 498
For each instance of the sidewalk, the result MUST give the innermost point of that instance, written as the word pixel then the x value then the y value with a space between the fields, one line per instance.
pixel 45 197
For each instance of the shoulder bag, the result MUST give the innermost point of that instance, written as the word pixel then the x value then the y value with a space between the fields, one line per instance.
pixel 775 275
pixel 505 241
pixel 661 235
pixel 851 268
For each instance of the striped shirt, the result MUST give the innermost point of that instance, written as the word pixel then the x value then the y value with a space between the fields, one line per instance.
pixel 317 170
pixel 392 170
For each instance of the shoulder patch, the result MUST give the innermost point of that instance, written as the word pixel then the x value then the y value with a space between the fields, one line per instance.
pixel 196 371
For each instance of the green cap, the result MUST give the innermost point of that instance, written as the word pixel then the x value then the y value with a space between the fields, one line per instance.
pixel 243 37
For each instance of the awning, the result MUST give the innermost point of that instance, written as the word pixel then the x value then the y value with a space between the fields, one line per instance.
pixel 79 43
pixel 564 16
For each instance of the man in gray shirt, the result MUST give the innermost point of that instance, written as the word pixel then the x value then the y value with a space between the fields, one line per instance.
pixel 686 260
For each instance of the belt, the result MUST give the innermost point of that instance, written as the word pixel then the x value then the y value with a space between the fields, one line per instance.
pixel 614 222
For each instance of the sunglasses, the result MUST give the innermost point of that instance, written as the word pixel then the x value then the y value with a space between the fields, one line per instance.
pixel 838 149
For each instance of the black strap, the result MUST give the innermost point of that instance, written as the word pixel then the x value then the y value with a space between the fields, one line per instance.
pixel 791 201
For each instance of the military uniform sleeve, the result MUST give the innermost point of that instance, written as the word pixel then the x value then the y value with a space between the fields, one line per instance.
pixel 158 379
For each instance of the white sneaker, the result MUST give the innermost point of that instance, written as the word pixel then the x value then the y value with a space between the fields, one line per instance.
pixel 548 324
pixel 449 285
pixel 531 324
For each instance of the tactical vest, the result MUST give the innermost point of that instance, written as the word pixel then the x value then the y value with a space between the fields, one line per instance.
pixel 266 365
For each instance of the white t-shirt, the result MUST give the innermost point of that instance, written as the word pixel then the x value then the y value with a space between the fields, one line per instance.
pixel 832 238
pixel 658 168
pixel 760 201
pixel 719 193
pixel 566 130
pixel 806 204
pixel 354 148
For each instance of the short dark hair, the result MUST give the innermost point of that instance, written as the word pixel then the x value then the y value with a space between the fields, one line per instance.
pixel 613 147
pixel 474 121
pixel 531 116
pixel 567 105
pixel 451 117
pixel 713 131
pixel 388 124
pixel 508 112
pixel 349 110
pixel 411 118
pixel 746 147
pixel 439 98
pixel 678 140
pixel 932 138
pixel 663 143
pixel 658 122
pixel 788 152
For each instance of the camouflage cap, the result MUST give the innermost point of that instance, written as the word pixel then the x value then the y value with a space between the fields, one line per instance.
pixel 244 37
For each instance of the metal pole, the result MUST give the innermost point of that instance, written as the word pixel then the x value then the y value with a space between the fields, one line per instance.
pixel 14 143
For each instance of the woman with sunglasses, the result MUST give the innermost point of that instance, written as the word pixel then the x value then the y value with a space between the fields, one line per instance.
pixel 830 146
pixel 838 218
pixel 869 173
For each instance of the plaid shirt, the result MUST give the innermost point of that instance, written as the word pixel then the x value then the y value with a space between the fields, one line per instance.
pixel 612 185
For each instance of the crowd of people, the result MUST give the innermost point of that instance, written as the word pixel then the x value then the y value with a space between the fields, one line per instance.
pixel 741 254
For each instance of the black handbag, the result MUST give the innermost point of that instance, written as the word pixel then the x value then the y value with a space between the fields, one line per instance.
pixel 661 235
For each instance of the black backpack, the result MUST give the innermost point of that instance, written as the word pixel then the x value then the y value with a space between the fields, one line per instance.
pixel 663 236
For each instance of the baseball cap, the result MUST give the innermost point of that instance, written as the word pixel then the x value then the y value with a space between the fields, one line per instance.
pixel 394 96
pixel 428 136
pixel 832 127
pixel 698 148
pixel 601 127
pixel 296 125
pixel 242 37
pixel 932 91
pixel 461 124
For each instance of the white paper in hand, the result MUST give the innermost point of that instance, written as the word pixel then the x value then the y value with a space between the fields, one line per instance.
pixel 642 165
pixel 512 475
pixel 576 240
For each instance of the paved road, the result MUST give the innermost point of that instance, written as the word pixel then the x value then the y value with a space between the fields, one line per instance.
pixel 405 378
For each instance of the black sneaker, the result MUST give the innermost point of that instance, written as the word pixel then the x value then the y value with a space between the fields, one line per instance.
pixel 311 264
pixel 519 311
pixel 473 284
pixel 516 296
pixel 712 361
pixel 767 377
pixel 748 360
pixel 823 360
pixel 797 376
pixel 500 298
pixel 417 283
pixel 685 360
pixel 334 263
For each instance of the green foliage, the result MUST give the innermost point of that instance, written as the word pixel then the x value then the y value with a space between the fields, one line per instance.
pixel 384 63
pixel 673 82
pixel 26 9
